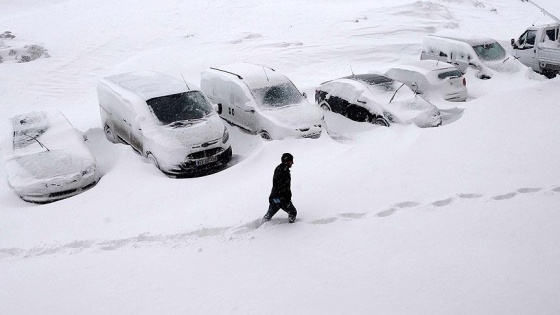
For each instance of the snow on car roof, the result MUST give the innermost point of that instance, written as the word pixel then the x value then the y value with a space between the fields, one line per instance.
pixel 150 84
pixel 254 76
pixel 425 66
pixel 463 37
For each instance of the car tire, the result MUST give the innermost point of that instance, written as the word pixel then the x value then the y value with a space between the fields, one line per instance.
pixel 325 106
pixel 379 120
pixel 109 134
pixel 152 159
pixel 265 135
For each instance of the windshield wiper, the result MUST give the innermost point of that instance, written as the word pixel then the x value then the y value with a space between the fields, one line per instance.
pixel 396 93
pixel 39 142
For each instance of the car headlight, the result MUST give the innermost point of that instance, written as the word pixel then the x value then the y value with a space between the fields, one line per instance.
pixel 90 170
pixel 225 136
pixel 389 116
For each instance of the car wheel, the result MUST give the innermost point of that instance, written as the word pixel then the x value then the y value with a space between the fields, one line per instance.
pixel 379 120
pixel 265 135
pixel 325 106
pixel 152 159
pixel 110 135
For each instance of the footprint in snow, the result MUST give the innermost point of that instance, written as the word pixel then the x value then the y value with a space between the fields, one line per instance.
pixel 386 213
pixel 350 215
pixel 504 197
pixel 441 203
pixel 470 196
pixel 324 221
pixel 407 204
pixel 528 190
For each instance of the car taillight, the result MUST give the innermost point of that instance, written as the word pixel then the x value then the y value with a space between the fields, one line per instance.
pixel 464 82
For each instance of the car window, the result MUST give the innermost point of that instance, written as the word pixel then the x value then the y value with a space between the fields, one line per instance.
pixel 449 74
pixel 179 107
pixel 277 95
pixel 551 34
pixel 490 51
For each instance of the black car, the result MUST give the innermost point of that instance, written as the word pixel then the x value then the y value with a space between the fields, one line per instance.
pixel 376 99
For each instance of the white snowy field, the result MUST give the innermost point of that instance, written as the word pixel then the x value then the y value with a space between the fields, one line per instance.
pixel 460 219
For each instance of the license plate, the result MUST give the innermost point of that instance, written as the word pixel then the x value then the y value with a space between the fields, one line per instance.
pixel 207 160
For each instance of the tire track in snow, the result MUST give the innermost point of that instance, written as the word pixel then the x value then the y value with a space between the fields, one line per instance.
pixel 231 232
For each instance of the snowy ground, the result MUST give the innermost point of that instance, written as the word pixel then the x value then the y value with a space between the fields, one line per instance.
pixel 461 219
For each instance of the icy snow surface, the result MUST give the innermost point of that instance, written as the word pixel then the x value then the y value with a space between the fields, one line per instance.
pixel 460 219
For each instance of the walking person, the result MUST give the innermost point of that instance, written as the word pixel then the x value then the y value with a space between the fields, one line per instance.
pixel 281 194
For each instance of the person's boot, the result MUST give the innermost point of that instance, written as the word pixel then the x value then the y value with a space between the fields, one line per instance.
pixel 292 218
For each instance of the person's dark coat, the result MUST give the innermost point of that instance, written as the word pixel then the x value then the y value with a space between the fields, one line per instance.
pixel 281 182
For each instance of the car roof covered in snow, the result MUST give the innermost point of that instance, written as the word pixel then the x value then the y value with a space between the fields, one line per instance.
pixel 150 84
pixel 426 66
pixel 463 37
pixel 369 78
pixel 255 76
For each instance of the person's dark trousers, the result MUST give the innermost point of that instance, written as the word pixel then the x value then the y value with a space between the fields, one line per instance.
pixel 280 203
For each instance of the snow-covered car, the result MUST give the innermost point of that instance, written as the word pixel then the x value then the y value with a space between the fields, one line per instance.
pixel 462 50
pixel 428 77
pixel 47 160
pixel 376 99
pixel 168 121
pixel 261 101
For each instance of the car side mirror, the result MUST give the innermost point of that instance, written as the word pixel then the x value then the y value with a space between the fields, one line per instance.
pixel 218 108
pixel 513 44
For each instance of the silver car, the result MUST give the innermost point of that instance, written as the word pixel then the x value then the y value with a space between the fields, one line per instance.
pixel 430 77
pixel 48 159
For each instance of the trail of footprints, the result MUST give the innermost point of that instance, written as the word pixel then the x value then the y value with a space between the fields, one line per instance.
pixel 230 232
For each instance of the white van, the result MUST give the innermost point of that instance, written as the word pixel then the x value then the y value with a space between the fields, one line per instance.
pixel 166 120
pixel 483 54
pixel 262 101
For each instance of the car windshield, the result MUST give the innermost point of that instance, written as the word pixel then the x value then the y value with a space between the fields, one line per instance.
pixel 387 90
pixel 180 107
pixel 490 52
pixel 277 95
pixel 449 74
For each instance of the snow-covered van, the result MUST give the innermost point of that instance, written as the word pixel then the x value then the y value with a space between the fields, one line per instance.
pixel 483 54
pixel 539 48
pixel 261 101
pixel 47 158
pixel 168 121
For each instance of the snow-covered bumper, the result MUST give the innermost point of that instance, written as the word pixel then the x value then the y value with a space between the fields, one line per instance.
pixel 200 161
pixel 58 188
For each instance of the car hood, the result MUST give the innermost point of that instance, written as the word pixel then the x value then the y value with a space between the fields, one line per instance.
pixel 414 110
pixel 186 134
pixel 302 115
pixel 60 166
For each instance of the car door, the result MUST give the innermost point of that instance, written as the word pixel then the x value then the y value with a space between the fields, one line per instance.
pixel 244 109
pixel 526 51
pixel 336 97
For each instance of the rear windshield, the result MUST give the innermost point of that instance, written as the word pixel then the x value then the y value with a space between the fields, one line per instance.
pixel 490 52
pixel 277 95
pixel 179 107
pixel 449 74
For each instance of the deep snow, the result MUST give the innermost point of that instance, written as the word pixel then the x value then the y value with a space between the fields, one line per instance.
pixel 458 219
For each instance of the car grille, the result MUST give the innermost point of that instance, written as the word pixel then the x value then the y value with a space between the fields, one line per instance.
pixel 204 153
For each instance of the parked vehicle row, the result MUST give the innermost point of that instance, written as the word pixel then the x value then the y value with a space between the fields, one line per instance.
pixel 180 127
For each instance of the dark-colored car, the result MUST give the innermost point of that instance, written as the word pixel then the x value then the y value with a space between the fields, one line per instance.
pixel 376 99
